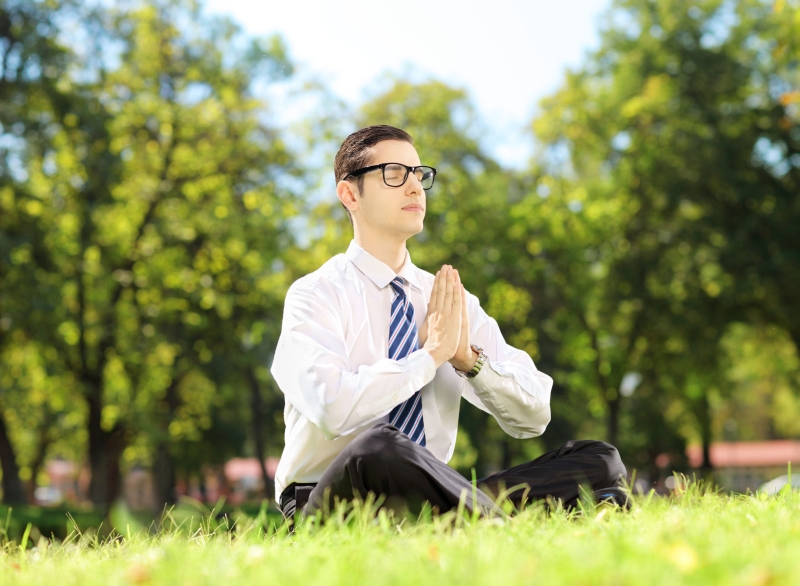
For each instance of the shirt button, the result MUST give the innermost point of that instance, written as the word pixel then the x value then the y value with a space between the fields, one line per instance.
pixel 394 397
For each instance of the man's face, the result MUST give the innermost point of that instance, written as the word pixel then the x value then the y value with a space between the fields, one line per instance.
pixel 397 211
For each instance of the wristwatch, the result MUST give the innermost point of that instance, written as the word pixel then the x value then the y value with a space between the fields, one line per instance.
pixel 482 358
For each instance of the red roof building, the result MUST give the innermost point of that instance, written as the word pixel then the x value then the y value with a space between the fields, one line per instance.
pixel 776 453
pixel 745 466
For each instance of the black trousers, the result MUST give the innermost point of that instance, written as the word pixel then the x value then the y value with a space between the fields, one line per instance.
pixel 384 461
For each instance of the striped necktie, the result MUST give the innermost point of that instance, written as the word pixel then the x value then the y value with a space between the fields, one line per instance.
pixel 407 416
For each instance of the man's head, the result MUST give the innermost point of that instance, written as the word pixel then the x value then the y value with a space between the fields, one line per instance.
pixel 373 205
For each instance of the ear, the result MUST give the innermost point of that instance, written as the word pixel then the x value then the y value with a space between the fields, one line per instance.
pixel 347 195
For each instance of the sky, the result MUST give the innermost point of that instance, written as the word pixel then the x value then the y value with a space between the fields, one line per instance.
pixel 508 54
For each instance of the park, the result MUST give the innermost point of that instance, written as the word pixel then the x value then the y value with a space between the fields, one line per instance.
pixel 166 175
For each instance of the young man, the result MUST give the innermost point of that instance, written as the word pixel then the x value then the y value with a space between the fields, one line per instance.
pixel 375 355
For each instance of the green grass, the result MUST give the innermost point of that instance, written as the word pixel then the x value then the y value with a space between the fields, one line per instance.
pixel 60 521
pixel 696 537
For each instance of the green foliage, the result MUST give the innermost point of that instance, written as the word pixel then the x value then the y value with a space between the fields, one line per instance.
pixel 679 137
pixel 151 220
pixel 764 377
pixel 154 188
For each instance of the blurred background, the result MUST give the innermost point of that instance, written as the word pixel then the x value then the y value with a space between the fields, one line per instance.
pixel 619 184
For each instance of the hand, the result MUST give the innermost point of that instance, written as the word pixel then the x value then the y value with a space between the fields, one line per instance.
pixel 465 357
pixel 422 334
pixel 442 325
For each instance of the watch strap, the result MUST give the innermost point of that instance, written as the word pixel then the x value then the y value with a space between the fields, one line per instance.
pixel 479 363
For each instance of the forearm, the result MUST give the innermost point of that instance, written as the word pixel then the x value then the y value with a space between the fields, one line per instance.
pixel 337 400
pixel 517 398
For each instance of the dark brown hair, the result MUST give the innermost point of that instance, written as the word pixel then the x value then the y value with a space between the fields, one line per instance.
pixel 356 150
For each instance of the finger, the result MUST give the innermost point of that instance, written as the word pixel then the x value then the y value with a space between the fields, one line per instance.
pixel 448 292
pixel 456 310
pixel 434 290
pixel 463 298
pixel 442 293
pixel 461 293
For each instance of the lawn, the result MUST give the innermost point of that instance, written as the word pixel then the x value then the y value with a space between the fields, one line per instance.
pixel 694 537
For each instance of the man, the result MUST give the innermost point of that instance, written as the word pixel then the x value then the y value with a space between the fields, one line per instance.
pixel 375 355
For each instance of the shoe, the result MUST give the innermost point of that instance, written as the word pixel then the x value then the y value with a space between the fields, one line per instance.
pixel 613 495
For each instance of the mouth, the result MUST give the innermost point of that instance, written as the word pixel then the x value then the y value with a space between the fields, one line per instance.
pixel 414 207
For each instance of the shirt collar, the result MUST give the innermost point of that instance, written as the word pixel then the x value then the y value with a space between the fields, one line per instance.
pixel 378 271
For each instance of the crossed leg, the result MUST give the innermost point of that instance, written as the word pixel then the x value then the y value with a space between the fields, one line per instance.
pixel 384 461
pixel 560 473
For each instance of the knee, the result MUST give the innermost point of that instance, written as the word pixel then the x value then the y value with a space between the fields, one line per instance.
pixel 612 469
pixel 377 459
pixel 601 461
pixel 377 445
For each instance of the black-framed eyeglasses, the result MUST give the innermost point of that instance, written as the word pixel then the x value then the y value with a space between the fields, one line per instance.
pixel 395 174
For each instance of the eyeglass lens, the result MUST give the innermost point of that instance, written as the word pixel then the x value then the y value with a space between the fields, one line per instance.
pixel 396 175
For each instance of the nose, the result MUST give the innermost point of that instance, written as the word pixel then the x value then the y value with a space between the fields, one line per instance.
pixel 414 185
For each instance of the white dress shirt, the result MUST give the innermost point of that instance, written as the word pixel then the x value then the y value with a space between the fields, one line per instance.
pixel 331 365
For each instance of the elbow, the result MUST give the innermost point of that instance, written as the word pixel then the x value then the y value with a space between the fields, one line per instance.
pixel 532 427
pixel 540 424
pixel 528 432
pixel 324 412
pixel 330 423
pixel 329 427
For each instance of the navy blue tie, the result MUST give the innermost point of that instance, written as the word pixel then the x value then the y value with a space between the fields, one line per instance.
pixel 407 416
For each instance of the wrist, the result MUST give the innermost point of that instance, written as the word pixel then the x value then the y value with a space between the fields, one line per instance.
pixel 466 364
pixel 438 357
pixel 477 365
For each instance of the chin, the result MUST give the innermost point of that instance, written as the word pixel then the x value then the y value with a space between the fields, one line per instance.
pixel 404 227
pixel 415 229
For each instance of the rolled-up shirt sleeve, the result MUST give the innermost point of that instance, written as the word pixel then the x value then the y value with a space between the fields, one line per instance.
pixel 509 386
pixel 312 368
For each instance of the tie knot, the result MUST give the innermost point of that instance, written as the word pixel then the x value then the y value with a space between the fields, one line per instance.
pixel 397 285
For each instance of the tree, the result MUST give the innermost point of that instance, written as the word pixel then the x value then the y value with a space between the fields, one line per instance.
pixel 687 113
pixel 29 56
pixel 155 186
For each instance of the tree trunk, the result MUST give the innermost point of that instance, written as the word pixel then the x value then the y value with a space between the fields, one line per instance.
pixel 163 469
pixel 13 491
pixel 704 417
pixel 257 409
pixel 163 479
pixel 105 450
pixel 44 440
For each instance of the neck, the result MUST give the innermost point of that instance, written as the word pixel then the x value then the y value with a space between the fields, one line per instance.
pixel 387 249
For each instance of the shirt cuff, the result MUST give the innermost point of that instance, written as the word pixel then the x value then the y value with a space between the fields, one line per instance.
pixel 486 379
pixel 421 361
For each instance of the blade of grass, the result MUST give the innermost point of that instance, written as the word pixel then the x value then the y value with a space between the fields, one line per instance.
pixel 23 544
